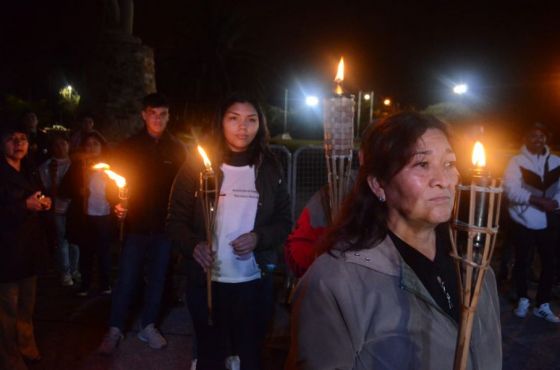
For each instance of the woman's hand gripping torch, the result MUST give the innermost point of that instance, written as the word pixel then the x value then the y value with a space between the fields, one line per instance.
pixel 122 207
pixel 208 190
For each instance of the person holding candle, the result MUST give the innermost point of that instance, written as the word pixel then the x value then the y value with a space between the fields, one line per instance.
pixel 149 161
pixel 22 245
pixel 253 219
pixel 532 186
pixel 383 294
pixel 89 223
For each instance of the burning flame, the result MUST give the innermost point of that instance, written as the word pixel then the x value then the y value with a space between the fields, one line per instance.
pixel 340 71
pixel 118 179
pixel 478 155
pixel 339 76
pixel 207 162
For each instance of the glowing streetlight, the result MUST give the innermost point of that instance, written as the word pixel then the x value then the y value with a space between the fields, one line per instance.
pixel 367 96
pixel 312 101
pixel 460 89
pixel 387 102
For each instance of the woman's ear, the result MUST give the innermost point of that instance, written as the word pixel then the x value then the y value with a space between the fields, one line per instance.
pixel 376 188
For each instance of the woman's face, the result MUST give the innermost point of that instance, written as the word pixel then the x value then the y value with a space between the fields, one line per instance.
pixel 240 124
pixel 422 193
pixel 15 146
pixel 92 147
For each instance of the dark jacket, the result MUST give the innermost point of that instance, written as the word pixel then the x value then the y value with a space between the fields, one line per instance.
pixel 149 166
pixel 185 225
pixel 22 232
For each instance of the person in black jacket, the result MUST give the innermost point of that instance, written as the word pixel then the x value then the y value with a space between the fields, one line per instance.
pixel 252 220
pixel 22 243
pixel 149 161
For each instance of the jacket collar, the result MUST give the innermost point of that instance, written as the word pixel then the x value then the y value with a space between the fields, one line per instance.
pixel 386 259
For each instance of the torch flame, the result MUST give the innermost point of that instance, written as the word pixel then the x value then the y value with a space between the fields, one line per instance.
pixel 207 162
pixel 340 71
pixel 118 179
pixel 478 155
pixel 339 77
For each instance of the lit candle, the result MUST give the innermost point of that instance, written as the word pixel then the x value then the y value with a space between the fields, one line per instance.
pixel 481 178
pixel 120 181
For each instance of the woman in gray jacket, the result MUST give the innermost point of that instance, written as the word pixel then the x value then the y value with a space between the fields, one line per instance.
pixel 384 294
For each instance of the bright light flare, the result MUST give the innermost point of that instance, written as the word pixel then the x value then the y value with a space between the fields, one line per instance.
pixel 387 102
pixel 312 101
pixel 460 89
pixel 478 155
pixel 367 96
pixel 205 158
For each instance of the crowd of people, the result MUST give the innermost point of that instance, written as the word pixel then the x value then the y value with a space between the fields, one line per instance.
pixel 378 287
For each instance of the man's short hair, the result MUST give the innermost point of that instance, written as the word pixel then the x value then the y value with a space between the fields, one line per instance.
pixel 155 100
pixel 537 126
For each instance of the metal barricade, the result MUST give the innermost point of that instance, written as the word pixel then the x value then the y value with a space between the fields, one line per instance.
pixel 309 174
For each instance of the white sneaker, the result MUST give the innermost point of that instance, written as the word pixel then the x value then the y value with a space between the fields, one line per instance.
pixel 111 341
pixel 152 336
pixel 233 363
pixel 66 280
pixel 544 312
pixel 522 307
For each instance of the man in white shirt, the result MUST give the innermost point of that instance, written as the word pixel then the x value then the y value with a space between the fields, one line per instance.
pixel 533 190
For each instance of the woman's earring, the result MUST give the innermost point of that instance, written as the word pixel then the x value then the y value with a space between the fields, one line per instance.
pixel 381 198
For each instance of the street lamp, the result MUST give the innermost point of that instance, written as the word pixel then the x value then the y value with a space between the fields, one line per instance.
pixel 311 100
pixel 367 96
pixel 387 102
pixel 460 89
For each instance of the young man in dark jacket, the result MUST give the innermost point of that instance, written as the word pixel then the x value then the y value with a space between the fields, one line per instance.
pixel 149 161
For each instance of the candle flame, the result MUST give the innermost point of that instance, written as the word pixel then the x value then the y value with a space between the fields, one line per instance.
pixel 478 155
pixel 118 179
pixel 207 162
pixel 340 71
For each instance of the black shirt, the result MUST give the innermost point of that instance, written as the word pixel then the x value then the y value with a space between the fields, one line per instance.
pixel 439 276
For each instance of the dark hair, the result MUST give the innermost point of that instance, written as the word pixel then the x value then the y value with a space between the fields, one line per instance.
pixel 387 147
pixel 56 135
pixel 537 126
pixel 259 146
pixel 155 100
pixel 10 128
pixel 97 136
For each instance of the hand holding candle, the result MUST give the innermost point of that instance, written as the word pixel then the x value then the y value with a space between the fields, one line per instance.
pixel 122 207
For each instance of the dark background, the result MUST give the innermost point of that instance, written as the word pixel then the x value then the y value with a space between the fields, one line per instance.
pixel 413 52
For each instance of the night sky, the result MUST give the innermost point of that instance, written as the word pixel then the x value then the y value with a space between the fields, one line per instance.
pixel 413 52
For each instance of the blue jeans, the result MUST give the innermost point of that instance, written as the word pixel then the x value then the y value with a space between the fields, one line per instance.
pixel 67 254
pixel 141 253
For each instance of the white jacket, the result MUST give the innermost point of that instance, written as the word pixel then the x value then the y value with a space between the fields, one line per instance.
pixel 524 176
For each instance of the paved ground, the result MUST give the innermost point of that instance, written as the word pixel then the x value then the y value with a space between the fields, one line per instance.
pixel 69 329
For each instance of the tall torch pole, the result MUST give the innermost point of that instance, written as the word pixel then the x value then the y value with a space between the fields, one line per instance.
pixel 338 122
pixel 474 227
pixel 208 190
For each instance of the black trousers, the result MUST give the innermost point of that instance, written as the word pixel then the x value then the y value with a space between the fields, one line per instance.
pixel 97 243
pixel 544 241
pixel 241 315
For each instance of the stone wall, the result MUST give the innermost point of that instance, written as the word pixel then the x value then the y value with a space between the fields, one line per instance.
pixel 121 73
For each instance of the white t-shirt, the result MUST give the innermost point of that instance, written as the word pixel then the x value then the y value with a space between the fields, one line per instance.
pixel 237 208
pixel 97 204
